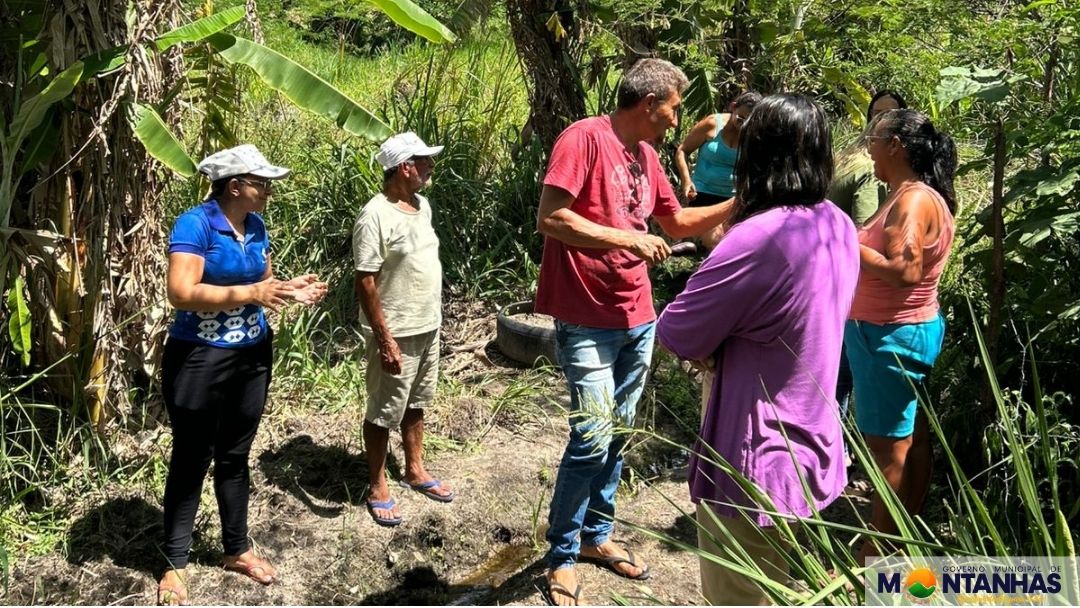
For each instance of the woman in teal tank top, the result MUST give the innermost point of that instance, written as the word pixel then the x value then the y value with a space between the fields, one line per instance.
pixel 715 139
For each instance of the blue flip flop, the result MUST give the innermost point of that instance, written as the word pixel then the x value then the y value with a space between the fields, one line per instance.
pixel 388 522
pixel 427 488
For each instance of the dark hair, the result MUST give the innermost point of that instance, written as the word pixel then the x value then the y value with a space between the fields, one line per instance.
pixel 388 174
pixel 747 99
pixel 931 153
pixel 217 187
pixel 785 155
pixel 884 93
pixel 650 75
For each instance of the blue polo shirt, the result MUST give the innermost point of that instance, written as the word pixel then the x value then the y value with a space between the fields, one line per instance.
pixel 204 231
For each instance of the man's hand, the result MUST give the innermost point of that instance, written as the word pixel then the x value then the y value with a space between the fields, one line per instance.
pixel 650 248
pixel 390 355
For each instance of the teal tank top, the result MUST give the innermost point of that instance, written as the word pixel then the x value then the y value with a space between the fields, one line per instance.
pixel 714 172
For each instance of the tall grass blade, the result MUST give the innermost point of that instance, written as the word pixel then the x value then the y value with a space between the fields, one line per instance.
pixel 1025 477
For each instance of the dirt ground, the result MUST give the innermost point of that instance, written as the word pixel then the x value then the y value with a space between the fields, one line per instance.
pixel 307 516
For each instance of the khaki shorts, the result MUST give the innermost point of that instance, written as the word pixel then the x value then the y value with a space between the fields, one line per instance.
pixel 414 387
pixel 724 587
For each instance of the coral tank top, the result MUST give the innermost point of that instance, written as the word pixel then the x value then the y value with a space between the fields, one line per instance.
pixel 878 302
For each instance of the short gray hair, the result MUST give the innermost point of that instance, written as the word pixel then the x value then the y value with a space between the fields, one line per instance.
pixel 656 76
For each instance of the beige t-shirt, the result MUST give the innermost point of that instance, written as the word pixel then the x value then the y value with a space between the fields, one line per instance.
pixel 402 246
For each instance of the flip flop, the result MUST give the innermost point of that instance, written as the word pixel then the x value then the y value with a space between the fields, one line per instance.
pixel 553 588
pixel 388 522
pixel 248 570
pixel 427 488
pixel 611 562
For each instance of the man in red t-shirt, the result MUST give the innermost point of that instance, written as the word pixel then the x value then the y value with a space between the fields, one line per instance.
pixel 603 184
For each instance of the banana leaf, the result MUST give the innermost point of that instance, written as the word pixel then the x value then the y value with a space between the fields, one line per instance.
pixel 415 19
pixel 159 141
pixel 19 321
pixel 201 29
pixel 301 86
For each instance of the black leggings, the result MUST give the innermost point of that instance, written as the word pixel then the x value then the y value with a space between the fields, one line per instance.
pixel 215 397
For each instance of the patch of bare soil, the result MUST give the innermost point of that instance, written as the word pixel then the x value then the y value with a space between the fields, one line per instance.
pixel 308 516
pixel 535 319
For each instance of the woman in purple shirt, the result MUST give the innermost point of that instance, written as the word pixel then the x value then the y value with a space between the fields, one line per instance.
pixel 767 309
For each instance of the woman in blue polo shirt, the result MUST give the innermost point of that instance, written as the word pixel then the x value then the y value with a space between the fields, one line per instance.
pixel 218 356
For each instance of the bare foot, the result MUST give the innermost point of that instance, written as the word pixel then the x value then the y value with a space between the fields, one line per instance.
pixel 172 588
pixel 251 566
pixel 421 476
pixel 612 556
pixel 380 493
pixel 563 588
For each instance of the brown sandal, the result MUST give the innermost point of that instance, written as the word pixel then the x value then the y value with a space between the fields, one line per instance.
pixel 252 570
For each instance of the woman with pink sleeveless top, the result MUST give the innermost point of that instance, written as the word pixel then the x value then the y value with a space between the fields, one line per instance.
pixel 895 329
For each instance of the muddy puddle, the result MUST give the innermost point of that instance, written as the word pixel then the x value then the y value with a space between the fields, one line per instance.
pixel 477 588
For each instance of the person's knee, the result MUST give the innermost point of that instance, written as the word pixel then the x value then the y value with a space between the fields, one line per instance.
pixel 889 451
pixel 375 430
pixel 589 453
pixel 412 417
pixel 192 452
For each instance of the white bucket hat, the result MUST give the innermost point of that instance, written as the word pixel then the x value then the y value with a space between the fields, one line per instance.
pixel 401 148
pixel 241 160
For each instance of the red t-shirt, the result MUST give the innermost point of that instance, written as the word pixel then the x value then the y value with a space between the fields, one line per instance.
pixel 605 288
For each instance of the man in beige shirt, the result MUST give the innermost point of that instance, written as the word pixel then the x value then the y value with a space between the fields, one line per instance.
pixel 399 285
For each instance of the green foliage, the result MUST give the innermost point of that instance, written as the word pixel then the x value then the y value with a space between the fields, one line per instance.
pixel 19 321
pixel 410 16
pixel 959 83
pixel 200 29
pixel 357 27
pixel 300 85
pixel 975 521
pixel 159 140
pixel 485 188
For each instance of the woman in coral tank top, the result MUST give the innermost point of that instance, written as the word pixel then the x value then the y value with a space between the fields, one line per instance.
pixel 896 329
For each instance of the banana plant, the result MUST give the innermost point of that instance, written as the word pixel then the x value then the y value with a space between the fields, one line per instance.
pixel 296 82
pixel 29 139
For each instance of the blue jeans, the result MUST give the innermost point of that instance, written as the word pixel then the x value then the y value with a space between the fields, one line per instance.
pixel 605 370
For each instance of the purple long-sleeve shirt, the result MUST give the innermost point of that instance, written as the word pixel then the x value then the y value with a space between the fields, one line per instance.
pixel 770 303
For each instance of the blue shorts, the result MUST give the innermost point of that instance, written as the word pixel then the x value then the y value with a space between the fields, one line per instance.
pixel 889 365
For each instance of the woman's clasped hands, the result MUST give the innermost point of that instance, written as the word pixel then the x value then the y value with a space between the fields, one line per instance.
pixel 274 293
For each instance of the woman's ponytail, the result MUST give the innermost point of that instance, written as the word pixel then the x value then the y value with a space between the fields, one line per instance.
pixel 932 154
pixel 943 169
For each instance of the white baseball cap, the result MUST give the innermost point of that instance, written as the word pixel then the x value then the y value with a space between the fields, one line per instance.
pixel 401 148
pixel 241 160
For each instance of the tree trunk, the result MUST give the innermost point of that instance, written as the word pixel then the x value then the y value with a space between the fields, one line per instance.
pixel 997 247
pixel 98 304
pixel 737 52
pixel 556 95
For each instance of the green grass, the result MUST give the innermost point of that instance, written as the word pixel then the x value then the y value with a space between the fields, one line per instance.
pixel 1031 462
